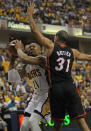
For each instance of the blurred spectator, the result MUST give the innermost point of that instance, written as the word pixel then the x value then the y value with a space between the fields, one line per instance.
pixel 21 106
pixel 12 103
pixel 7 96
pixel 89 97
pixel 1 67
pixel 78 77
pixel 5 65
pixel 21 87
pixel 24 81
pixel 1 55
pixel 28 88
pixel 14 86
pixel 60 12
pixel 17 98
pixel 2 102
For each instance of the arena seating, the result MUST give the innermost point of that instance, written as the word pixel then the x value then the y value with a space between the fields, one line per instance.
pixel 57 12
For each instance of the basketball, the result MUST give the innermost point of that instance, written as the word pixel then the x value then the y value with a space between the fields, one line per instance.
pixel 11 48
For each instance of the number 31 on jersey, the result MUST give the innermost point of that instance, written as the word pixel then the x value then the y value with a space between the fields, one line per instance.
pixel 61 62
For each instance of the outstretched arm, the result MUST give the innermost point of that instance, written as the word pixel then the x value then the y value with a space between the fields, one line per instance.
pixel 47 43
pixel 81 56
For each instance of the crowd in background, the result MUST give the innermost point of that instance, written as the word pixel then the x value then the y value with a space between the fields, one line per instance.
pixel 81 73
pixel 13 96
pixel 58 12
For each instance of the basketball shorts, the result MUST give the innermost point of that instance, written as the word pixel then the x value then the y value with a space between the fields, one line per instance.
pixel 64 98
pixel 39 104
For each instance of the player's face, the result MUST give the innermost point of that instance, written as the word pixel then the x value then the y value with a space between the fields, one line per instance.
pixel 34 49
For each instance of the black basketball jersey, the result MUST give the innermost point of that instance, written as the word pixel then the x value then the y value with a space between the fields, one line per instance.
pixel 60 64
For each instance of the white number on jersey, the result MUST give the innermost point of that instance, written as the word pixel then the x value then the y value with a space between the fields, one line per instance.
pixel 60 65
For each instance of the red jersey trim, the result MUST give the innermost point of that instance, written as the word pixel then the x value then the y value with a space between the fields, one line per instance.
pixel 48 69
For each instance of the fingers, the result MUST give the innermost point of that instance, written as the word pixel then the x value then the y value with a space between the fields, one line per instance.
pixel 31 7
pixel 32 4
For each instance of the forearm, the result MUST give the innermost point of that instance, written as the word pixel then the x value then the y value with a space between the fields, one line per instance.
pixel 33 24
pixel 47 43
pixel 21 54
pixel 81 56
pixel 27 59
pixel 39 37
pixel 24 57
pixel 84 57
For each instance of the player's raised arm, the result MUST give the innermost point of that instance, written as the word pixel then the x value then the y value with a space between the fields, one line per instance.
pixel 81 56
pixel 40 38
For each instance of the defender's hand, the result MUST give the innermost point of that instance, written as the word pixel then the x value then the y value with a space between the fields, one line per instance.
pixel 31 9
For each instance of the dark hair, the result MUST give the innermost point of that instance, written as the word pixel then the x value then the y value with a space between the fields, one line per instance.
pixel 63 36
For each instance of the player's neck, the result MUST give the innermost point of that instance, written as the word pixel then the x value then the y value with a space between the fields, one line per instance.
pixel 62 44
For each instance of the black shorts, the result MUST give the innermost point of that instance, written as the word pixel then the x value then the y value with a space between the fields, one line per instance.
pixel 64 98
